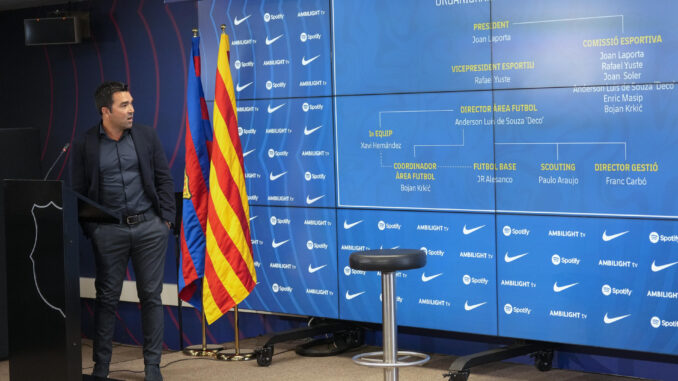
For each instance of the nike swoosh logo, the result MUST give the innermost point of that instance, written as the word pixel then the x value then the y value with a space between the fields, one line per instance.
pixel 305 61
pixel 310 200
pixel 312 269
pixel 352 296
pixel 273 177
pixel 609 320
pixel 269 42
pixel 469 231
pixel 274 109
pixel 238 22
pixel 510 259
pixel 348 226
pixel 251 218
pixel 239 88
pixel 656 268
pixel 557 288
pixel 425 278
pixel 607 238
pixel 278 244
pixel 248 152
pixel 472 307
pixel 312 130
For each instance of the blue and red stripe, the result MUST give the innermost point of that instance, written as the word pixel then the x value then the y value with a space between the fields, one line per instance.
pixel 198 152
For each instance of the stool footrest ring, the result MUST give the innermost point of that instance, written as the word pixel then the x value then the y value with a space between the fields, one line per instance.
pixel 369 359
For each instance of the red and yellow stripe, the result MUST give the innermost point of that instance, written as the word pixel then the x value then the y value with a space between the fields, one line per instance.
pixel 229 267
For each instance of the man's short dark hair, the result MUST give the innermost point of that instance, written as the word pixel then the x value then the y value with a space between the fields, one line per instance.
pixel 103 96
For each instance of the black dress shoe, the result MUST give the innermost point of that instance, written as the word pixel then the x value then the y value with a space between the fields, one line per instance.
pixel 152 372
pixel 100 370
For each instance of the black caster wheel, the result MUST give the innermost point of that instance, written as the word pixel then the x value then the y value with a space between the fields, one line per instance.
pixel 265 356
pixel 461 375
pixel 356 337
pixel 543 360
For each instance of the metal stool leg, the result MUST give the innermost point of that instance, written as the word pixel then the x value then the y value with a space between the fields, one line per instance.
pixel 388 313
pixel 388 358
pixel 391 260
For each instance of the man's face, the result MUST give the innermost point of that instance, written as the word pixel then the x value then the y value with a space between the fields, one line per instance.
pixel 121 113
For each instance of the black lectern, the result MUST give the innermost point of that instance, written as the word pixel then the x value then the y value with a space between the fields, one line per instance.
pixel 19 159
pixel 41 234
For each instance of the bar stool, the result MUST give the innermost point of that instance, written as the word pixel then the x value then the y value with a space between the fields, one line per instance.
pixel 388 261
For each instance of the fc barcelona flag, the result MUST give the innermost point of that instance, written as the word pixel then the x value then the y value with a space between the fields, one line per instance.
pixel 196 185
pixel 229 267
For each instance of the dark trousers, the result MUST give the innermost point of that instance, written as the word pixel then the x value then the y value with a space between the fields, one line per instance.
pixel 146 244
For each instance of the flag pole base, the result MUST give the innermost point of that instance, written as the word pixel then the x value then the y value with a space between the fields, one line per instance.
pixel 209 350
pixel 233 355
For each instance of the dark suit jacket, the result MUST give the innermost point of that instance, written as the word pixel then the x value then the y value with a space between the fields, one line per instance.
pixel 155 173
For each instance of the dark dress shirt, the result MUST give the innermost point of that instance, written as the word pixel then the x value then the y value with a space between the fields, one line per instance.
pixel 120 186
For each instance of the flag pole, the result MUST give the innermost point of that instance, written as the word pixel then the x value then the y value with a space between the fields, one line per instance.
pixel 204 349
pixel 235 354
pixel 223 67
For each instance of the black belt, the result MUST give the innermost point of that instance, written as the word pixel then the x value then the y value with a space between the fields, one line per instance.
pixel 138 218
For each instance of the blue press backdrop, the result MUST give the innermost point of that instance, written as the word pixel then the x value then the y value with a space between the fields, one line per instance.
pixel 398 124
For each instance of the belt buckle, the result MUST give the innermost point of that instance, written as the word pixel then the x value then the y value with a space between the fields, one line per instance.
pixel 132 220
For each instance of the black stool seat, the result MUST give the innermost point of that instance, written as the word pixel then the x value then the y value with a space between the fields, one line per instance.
pixel 387 260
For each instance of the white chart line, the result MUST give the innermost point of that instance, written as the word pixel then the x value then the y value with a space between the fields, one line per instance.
pixel 381 162
pixel 557 144
pixel 407 111
pixel 423 145
pixel 455 166
pixel 573 19
pixel 463 142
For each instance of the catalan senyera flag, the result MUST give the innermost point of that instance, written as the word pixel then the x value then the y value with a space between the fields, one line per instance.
pixel 198 143
pixel 229 267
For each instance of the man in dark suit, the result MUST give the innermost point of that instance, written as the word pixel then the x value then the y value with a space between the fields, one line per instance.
pixel 122 166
